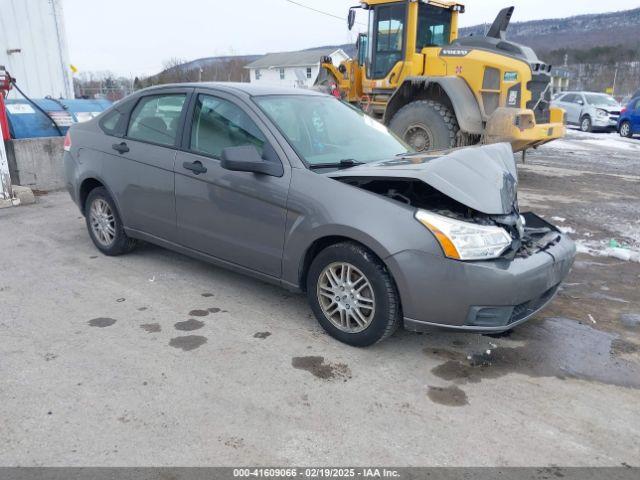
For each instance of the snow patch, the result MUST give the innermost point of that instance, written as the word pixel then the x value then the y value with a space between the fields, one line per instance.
pixel 596 249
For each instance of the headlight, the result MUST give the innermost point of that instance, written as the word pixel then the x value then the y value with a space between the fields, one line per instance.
pixel 602 113
pixel 464 240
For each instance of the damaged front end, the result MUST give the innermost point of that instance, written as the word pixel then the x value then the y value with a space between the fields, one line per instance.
pixel 467 199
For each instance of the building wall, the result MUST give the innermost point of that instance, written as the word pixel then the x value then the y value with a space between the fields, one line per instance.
pixel 293 76
pixel 36 28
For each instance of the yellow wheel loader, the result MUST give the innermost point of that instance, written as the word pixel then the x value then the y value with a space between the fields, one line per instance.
pixel 438 91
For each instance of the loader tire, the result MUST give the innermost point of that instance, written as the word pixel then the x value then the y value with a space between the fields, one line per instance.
pixel 427 125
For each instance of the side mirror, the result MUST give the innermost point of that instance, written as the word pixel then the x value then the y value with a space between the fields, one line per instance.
pixel 580 102
pixel 246 158
pixel 351 18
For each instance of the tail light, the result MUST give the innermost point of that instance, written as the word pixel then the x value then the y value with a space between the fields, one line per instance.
pixel 67 142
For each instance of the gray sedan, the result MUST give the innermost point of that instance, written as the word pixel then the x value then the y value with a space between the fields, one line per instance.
pixel 301 190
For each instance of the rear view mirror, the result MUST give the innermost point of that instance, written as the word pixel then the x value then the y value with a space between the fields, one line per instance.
pixel 351 18
pixel 246 158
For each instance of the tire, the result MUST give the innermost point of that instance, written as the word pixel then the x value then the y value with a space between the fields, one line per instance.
pixel 426 125
pixel 585 124
pixel 380 314
pixel 625 129
pixel 100 211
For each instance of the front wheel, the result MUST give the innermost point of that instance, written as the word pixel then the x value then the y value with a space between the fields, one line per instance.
pixel 426 125
pixel 353 295
pixel 625 130
pixel 585 124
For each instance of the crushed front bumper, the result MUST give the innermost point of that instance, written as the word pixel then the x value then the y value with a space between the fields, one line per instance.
pixel 486 296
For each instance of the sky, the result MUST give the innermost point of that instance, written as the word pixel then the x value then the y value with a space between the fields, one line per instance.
pixel 135 37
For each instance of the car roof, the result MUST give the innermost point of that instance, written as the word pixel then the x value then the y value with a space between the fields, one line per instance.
pixel 249 89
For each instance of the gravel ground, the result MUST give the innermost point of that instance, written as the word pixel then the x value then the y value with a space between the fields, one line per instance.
pixel 157 359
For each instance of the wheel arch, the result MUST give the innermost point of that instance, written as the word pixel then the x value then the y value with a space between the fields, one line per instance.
pixel 452 91
pixel 91 183
pixel 319 244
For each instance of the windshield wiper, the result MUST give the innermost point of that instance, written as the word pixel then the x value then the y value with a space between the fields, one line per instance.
pixel 346 163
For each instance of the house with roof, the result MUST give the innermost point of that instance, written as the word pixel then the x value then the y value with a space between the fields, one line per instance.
pixel 292 69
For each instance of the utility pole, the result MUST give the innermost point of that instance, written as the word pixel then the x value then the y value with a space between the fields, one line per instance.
pixel 615 78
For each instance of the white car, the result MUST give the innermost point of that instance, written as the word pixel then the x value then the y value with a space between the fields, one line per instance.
pixel 590 111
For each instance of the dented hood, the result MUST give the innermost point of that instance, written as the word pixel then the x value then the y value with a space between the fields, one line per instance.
pixel 482 178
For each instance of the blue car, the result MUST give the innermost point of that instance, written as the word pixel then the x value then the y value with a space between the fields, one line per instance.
pixel 629 121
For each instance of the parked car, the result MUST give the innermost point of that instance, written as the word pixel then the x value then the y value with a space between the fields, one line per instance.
pixel 298 189
pixel 629 123
pixel 590 111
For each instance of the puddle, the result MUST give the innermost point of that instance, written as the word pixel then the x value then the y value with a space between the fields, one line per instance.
pixel 557 347
pixel 198 313
pixel 451 396
pixel 630 320
pixel 151 327
pixel 189 325
pixel 188 343
pixel 262 335
pixel 318 368
pixel 214 310
pixel 207 295
pixel 142 309
pixel 101 322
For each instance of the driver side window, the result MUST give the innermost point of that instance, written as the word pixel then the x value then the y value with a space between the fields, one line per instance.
pixel 218 124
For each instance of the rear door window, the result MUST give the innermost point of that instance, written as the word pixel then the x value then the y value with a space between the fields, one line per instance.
pixel 156 119
pixel 218 124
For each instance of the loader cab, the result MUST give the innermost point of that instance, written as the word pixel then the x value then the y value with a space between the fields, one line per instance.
pixel 397 29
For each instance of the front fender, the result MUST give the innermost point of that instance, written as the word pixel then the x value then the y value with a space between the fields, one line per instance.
pixel 462 100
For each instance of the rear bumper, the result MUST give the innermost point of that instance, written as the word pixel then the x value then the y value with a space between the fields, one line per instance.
pixel 488 296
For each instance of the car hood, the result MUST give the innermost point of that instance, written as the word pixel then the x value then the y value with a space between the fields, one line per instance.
pixel 483 178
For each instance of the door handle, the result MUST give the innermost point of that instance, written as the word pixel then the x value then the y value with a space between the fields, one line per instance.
pixel 196 167
pixel 120 147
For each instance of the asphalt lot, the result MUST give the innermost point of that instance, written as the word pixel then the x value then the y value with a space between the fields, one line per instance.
pixel 158 359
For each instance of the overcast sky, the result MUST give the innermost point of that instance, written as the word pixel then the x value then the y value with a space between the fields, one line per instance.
pixel 135 37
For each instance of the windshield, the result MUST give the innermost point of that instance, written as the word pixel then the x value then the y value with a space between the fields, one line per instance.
pixel 324 130
pixel 600 99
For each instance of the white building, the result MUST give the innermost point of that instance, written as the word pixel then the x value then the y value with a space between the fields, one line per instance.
pixel 292 69
pixel 33 47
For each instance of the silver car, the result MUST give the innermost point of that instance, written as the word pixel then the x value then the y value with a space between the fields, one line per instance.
pixel 590 111
pixel 298 189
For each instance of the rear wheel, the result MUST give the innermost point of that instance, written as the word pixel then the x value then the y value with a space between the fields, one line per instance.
pixel 585 124
pixel 426 125
pixel 625 129
pixel 353 295
pixel 104 224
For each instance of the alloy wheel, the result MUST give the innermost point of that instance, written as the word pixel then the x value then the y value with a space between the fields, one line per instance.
pixel 624 129
pixel 346 297
pixel 103 223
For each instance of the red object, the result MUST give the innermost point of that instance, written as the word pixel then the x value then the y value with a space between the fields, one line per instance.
pixel 334 91
pixel 5 86
pixel 624 109
pixel 4 122
pixel 67 141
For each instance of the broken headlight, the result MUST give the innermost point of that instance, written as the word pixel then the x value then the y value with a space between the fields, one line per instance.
pixel 464 240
